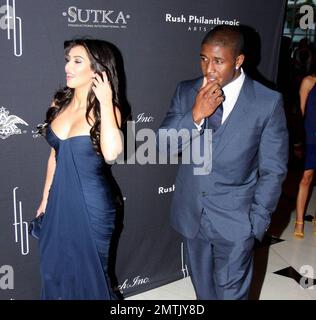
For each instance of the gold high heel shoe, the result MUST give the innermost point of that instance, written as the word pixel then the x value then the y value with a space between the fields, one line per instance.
pixel 298 234
pixel 314 226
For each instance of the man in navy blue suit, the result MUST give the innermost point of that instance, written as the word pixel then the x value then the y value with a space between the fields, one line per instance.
pixel 222 211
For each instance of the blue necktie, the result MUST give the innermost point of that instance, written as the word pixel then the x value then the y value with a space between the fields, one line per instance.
pixel 215 120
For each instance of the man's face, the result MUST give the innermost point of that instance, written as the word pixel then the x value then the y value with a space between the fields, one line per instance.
pixel 219 63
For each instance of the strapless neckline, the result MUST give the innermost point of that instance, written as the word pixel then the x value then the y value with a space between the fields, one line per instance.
pixel 69 138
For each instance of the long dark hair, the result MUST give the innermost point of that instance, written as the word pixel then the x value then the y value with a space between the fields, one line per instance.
pixel 102 58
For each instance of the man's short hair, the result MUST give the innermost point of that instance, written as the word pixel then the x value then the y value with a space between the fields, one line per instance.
pixel 226 36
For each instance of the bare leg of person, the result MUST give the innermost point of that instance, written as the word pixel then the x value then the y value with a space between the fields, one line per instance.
pixel 301 202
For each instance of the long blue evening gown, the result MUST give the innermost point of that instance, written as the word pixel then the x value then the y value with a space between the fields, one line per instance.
pixel 310 130
pixel 78 223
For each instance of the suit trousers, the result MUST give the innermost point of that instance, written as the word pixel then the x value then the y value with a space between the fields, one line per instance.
pixel 220 269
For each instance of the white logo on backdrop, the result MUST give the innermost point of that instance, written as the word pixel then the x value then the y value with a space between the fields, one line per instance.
pixel 162 190
pixel 137 281
pixel 9 21
pixel 198 23
pixel 95 18
pixel 37 133
pixel 8 124
pixel 20 226
pixel 142 117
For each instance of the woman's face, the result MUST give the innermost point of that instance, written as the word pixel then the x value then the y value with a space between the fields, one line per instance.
pixel 78 68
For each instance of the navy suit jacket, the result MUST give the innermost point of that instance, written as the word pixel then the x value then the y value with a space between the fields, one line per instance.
pixel 241 185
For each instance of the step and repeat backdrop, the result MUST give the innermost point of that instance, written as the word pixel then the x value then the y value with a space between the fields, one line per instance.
pixel 158 44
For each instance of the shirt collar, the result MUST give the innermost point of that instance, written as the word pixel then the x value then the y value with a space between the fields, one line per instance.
pixel 233 88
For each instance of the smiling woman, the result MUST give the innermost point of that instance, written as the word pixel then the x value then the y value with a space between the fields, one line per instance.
pixel 78 199
pixel 78 70
pixel 92 89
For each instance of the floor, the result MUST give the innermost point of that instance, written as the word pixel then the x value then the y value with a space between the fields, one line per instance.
pixel 284 266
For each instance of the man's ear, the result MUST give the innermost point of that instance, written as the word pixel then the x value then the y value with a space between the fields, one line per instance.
pixel 239 61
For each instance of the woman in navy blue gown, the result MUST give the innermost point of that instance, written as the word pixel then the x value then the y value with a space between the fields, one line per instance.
pixel 308 108
pixel 83 130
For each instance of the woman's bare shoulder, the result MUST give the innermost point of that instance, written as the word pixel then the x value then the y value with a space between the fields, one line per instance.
pixel 308 82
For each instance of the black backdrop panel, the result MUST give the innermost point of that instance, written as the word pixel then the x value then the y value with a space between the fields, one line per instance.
pixel 159 43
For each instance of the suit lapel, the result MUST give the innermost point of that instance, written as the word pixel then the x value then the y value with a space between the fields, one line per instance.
pixel 236 117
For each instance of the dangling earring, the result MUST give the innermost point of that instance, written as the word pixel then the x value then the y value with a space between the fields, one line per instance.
pixel 236 67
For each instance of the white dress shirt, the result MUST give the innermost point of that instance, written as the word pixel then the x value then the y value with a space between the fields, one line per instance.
pixel 231 93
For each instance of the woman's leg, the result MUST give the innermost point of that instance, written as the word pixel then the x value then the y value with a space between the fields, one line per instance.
pixel 301 201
